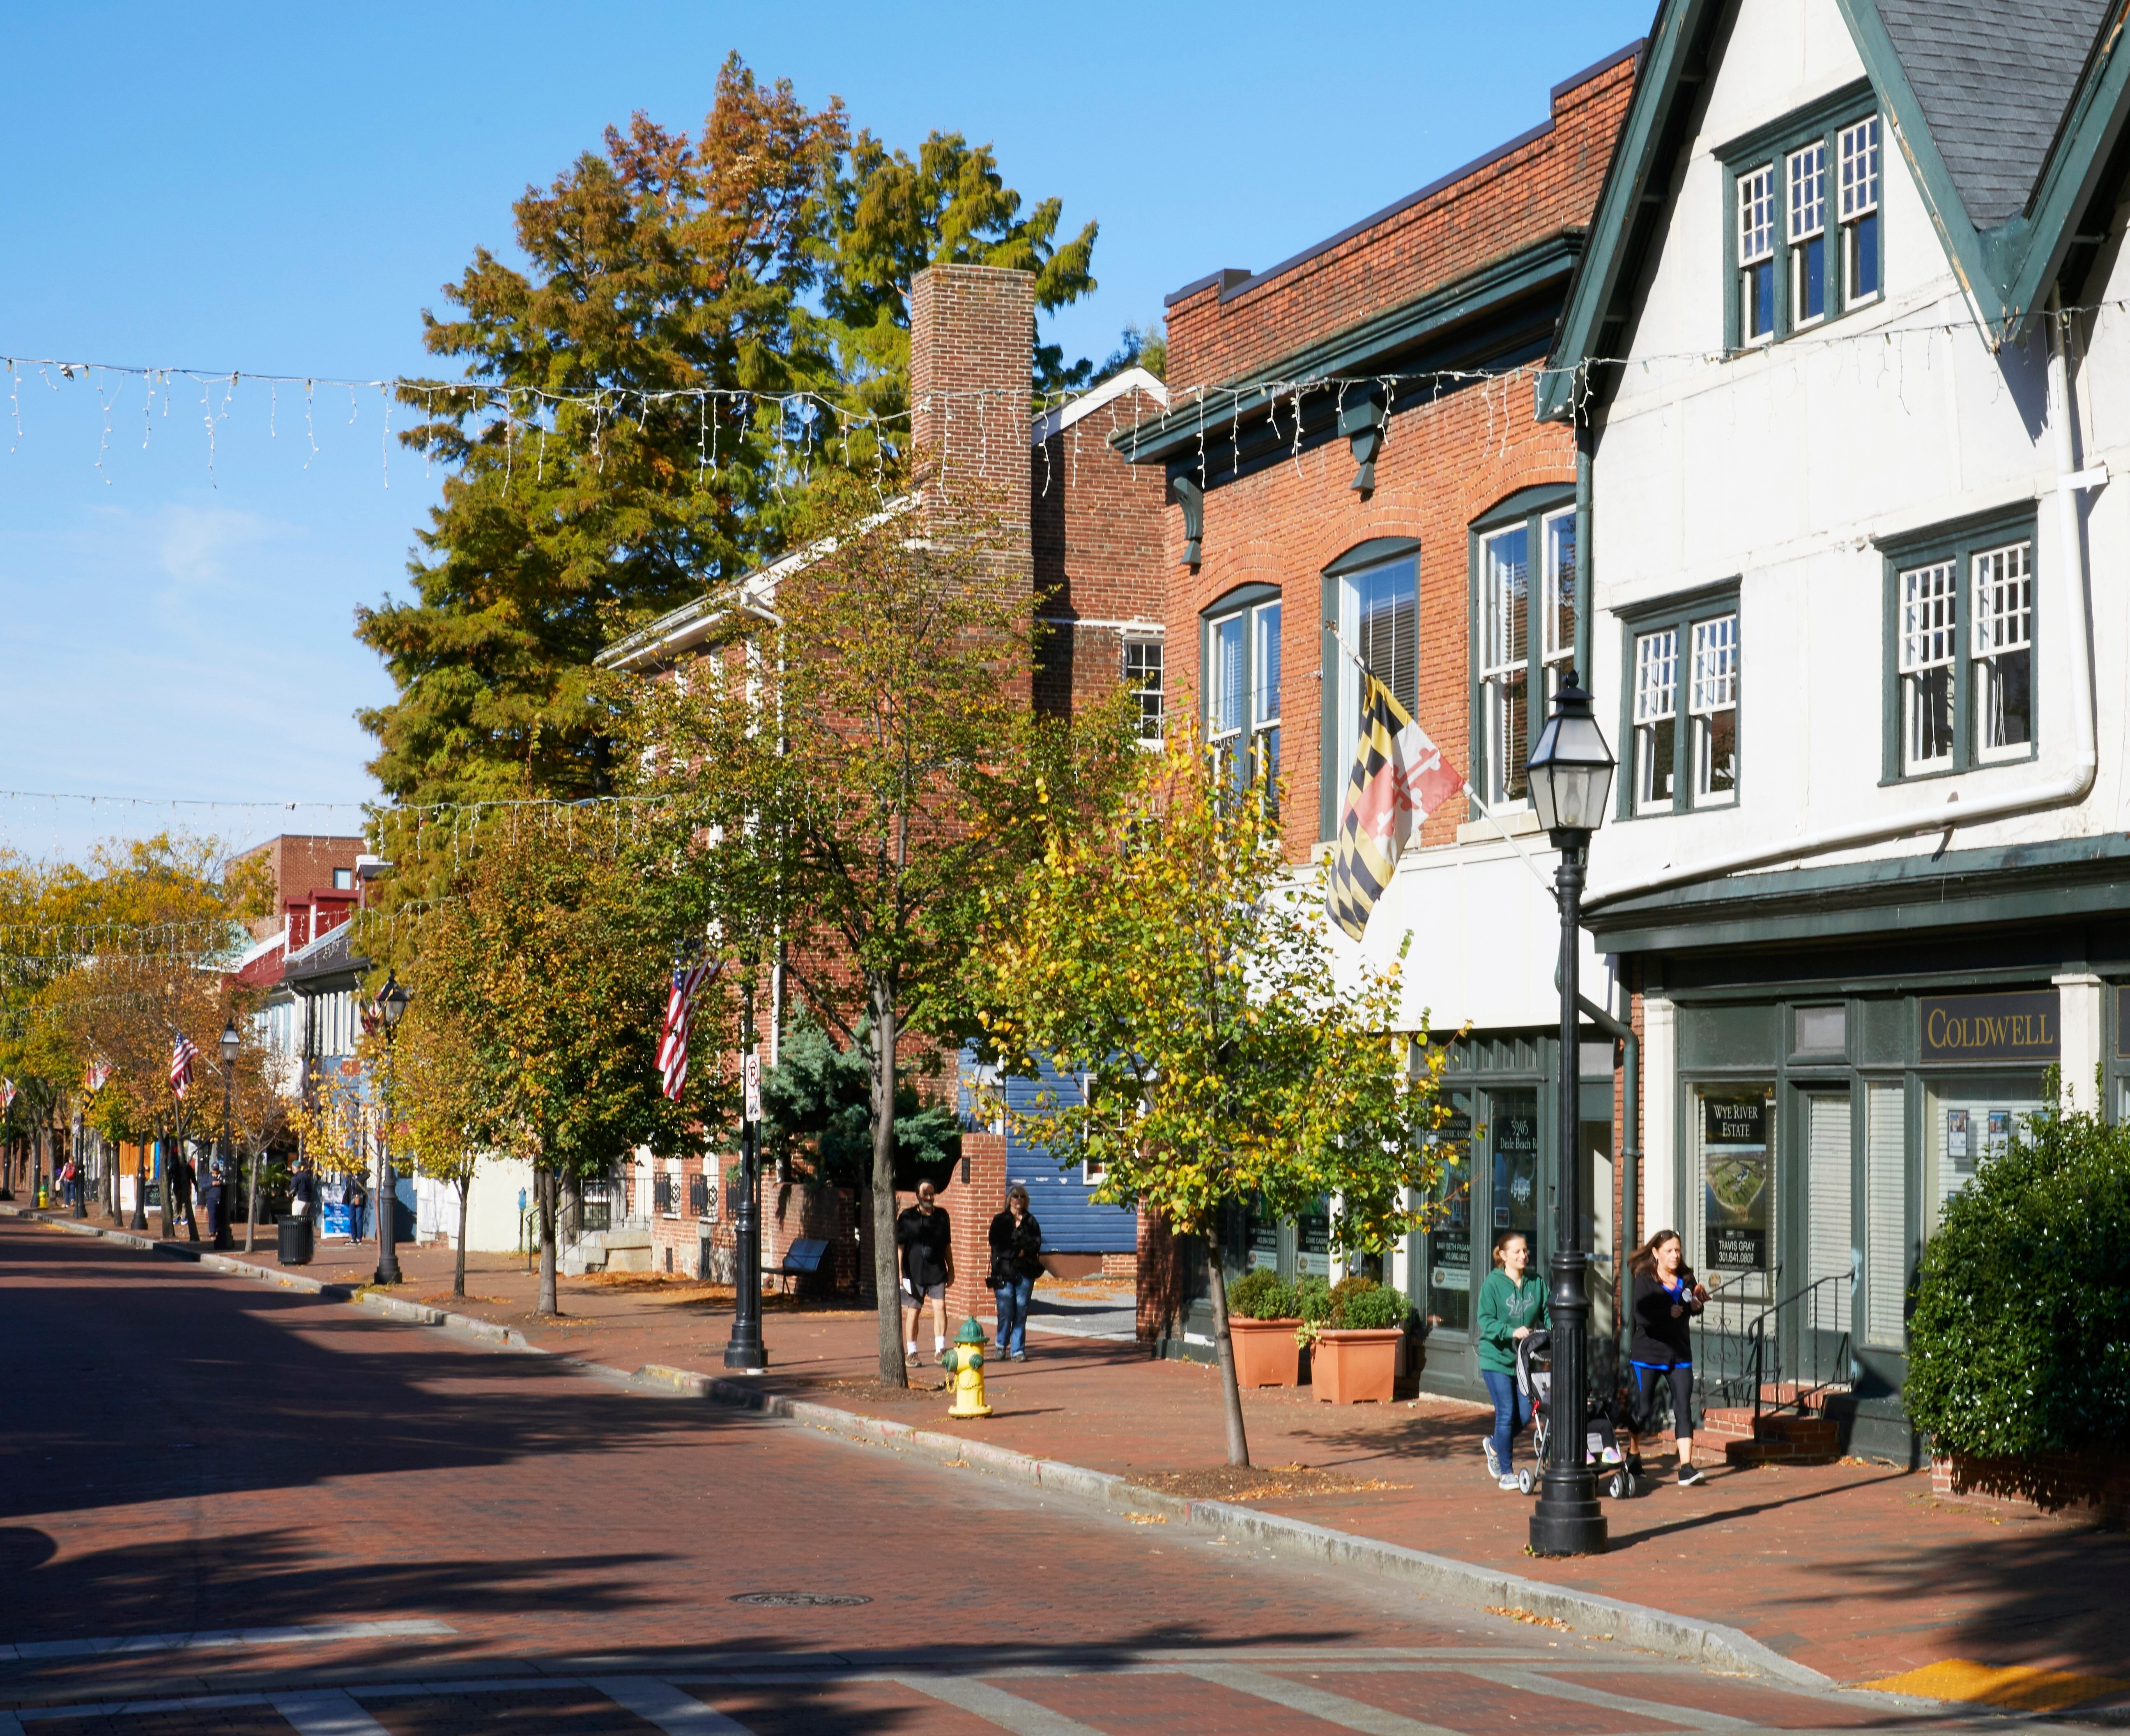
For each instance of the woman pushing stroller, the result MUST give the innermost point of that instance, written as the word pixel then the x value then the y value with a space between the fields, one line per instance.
pixel 1665 1299
pixel 1512 1307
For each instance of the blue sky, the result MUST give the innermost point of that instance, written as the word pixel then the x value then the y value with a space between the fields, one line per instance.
pixel 282 189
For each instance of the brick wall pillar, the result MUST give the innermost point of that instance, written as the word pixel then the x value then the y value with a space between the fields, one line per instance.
pixel 1160 1289
pixel 973 1204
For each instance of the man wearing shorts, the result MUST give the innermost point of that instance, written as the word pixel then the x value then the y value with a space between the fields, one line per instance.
pixel 925 1240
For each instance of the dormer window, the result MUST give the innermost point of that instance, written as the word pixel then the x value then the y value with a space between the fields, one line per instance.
pixel 1802 223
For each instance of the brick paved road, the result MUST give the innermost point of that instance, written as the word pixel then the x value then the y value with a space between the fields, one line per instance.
pixel 226 1508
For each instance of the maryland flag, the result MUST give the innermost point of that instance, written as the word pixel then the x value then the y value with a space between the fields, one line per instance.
pixel 96 1075
pixel 1398 774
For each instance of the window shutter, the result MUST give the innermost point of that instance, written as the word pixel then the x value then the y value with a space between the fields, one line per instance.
pixel 1829 1225
pixel 1885 1210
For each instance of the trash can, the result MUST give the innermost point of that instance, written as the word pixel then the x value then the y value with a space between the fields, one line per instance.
pixel 295 1246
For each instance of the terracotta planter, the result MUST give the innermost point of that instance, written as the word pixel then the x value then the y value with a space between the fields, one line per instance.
pixel 1266 1352
pixel 1356 1368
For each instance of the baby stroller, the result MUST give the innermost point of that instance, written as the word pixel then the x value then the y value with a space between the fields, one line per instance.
pixel 1534 1382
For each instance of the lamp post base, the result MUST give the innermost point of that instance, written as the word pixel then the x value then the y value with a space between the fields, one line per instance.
pixel 1567 1521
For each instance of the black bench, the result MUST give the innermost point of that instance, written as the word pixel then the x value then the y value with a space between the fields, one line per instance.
pixel 803 1259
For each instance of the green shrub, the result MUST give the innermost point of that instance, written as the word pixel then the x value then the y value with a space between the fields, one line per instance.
pixel 1372 1310
pixel 1353 1284
pixel 1312 1300
pixel 1261 1294
pixel 2020 1342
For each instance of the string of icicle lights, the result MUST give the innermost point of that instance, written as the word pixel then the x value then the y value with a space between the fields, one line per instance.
pixel 800 422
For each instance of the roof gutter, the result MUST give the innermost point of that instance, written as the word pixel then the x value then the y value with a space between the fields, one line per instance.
pixel 2073 784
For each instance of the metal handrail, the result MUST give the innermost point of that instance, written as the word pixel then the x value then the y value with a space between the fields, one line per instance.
pixel 1809 1336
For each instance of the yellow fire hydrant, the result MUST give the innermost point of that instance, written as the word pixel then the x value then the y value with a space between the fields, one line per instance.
pixel 965 1362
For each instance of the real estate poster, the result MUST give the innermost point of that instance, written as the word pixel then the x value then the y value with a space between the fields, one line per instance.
pixel 1312 1244
pixel 1958 1152
pixel 1734 1140
pixel 1264 1235
pixel 1449 1234
pixel 1515 1162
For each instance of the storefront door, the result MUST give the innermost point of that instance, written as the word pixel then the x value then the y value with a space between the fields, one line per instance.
pixel 1815 1332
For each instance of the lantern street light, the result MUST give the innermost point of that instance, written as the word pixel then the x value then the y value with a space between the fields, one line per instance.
pixel 1571 775
pixel 231 1043
pixel 391 1004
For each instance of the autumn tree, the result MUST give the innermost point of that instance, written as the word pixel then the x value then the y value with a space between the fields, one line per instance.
pixel 855 781
pixel 443 1102
pixel 1169 957
pixel 590 484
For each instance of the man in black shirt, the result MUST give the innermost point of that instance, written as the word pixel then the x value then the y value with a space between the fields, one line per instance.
pixel 925 1240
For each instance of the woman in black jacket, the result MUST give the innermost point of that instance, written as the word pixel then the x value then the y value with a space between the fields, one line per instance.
pixel 1016 1263
pixel 1665 1299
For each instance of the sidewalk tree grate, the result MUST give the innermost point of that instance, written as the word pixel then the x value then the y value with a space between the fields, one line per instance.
pixel 797 1599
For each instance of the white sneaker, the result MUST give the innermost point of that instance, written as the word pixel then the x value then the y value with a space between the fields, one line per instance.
pixel 1510 1483
pixel 911 1351
pixel 1493 1458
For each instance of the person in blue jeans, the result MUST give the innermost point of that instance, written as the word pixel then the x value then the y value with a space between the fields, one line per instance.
pixel 1512 1306
pixel 1016 1263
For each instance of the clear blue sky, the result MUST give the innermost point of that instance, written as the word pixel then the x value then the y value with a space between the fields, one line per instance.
pixel 282 189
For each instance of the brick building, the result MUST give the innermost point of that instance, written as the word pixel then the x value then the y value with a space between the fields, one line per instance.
pixel 1356 473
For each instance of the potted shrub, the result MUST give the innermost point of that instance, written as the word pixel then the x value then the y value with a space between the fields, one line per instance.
pixel 1355 1358
pixel 1261 1323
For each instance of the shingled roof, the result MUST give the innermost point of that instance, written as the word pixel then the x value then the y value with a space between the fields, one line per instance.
pixel 1994 78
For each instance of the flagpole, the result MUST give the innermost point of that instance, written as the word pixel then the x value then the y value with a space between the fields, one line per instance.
pixel 1509 837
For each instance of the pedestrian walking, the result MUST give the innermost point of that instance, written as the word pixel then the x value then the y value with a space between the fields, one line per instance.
pixel 1512 1306
pixel 302 1189
pixel 925 1240
pixel 357 1197
pixel 1016 1263
pixel 1665 1299
pixel 67 1176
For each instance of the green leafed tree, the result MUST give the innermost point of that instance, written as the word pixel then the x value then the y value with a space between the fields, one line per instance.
pixel 766 258
pixel 1170 957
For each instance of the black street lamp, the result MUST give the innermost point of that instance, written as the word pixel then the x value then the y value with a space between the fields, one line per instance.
pixel 77 1154
pixel 391 1003
pixel 231 1043
pixel 744 1351
pixel 1571 775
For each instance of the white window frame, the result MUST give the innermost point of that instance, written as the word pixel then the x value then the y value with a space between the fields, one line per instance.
pixel 1347 603
pixel 1149 646
pixel 1929 602
pixel 1858 147
pixel 1756 248
pixel 1255 733
pixel 1713 690
pixel 1503 667
pixel 1560 650
pixel 1656 706
pixel 1805 179
pixel 2003 616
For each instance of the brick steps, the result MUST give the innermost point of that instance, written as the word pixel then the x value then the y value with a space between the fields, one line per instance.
pixel 1805 1437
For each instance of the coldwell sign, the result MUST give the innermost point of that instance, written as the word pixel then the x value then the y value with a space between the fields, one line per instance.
pixel 2020 1027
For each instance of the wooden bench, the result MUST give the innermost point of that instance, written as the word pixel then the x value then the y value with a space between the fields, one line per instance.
pixel 803 1259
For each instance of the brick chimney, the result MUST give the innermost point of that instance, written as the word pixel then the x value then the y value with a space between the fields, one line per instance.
pixel 972 332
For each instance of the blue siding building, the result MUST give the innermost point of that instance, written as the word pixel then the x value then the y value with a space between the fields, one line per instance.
pixel 1059 1198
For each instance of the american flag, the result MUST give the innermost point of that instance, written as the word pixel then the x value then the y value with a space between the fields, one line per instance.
pixel 183 1055
pixel 673 1039
pixel 96 1075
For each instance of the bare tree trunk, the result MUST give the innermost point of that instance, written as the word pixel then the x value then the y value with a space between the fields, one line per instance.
pixel 1224 1349
pixel 880 993
pixel 458 1278
pixel 544 1182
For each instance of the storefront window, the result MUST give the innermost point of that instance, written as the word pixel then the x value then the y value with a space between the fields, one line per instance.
pixel 1449 1302
pixel 1514 1137
pixel 1967 1121
pixel 1261 1241
pixel 1312 1242
pixel 1733 1236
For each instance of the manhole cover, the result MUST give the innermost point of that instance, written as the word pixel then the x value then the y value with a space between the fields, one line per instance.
pixel 796 1599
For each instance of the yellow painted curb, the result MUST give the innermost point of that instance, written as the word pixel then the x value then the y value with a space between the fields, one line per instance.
pixel 2017 1687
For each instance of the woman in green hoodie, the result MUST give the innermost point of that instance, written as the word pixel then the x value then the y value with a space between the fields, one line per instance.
pixel 1511 1306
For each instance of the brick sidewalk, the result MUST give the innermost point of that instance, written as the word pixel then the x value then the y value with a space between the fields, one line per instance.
pixel 1856 1570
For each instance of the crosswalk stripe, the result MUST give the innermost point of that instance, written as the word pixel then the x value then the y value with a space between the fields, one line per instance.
pixel 1319 1703
pixel 330 1712
pixel 672 1710
pixel 1007 1711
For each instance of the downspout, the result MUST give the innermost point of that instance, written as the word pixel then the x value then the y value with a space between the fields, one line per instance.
pixel 1630 1137
pixel 2069 787
pixel 1586 443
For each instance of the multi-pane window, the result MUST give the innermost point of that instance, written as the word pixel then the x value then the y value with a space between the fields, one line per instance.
pixel 1242 703
pixel 1375 603
pixel 1681 711
pixel 1656 716
pixel 1804 223
pixel 1143 680
pixel 1808 233
pixel 1559 530
pixel 1505 660
pixel 1960 662
pixel 1862 278
pixel 1712 705
pixel 1756 253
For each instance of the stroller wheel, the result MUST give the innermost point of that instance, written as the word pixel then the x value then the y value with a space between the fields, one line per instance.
pixel 1524 1480
pixel 1617 1488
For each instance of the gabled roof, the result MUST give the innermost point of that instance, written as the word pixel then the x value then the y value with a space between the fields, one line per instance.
pixel 1117 385
pixel 2009 114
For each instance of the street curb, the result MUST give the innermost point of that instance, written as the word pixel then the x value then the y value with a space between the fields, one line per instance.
pixel 1455 1581
pixel 1460 1582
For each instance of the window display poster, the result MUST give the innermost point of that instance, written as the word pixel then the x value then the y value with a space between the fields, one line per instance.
pixel 1450 1234
pixel 1312 1244
pixel 1515 1161
pixel 1733 1138
pixel 1957 1151
pixel 1263 1234
pixel 1999 1139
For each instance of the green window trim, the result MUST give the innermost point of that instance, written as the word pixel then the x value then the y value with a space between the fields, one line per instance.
pixel 1956 544
pixel 1693 727
pixel 1788 265
pixel 1500 676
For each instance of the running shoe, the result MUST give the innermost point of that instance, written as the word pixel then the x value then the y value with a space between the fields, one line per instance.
pixel 1509 1483
pixel 1493 1458
pixel 1690 1475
